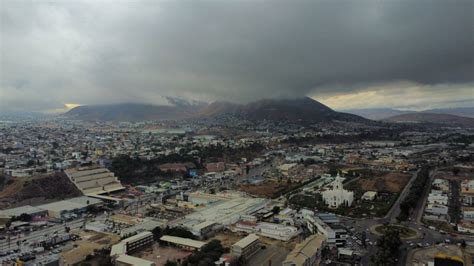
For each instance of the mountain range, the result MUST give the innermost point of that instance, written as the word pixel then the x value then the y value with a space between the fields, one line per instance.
pixel 132 112
pixel 433 118
pixel 299 110
pixel 385 113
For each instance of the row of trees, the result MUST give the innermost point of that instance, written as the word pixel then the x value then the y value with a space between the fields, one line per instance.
pixel 172 231
pixel 132 169
pixel 416 190
pixel 208 254
pixel 137 170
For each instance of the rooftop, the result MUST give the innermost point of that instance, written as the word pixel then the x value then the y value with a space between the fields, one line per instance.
pixel 306 249
pixel 242 243
pixel 28 209
pixel 183 241
pixel 70 204
pixel 130 260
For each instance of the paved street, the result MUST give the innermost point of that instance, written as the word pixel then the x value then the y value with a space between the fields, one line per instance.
pixel 268 256
pixel 37 236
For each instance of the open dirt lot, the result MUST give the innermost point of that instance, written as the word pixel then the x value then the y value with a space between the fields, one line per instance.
pixel 90 240
pixel 228 238
pixel 267 189
pixel 390 182
pixel 160 255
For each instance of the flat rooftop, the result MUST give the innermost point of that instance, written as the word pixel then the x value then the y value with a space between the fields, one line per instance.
pixel 183 241
pixel 28 209
pixel 130 260
pixel 70 204
pixel 242 243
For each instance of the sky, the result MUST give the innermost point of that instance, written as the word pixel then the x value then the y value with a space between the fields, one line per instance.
pixel 347 54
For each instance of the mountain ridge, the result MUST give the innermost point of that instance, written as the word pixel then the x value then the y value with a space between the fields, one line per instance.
pixel 384 113
pixel 432 118
pixel 301 110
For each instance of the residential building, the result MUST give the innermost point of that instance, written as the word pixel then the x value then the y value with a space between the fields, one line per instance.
pixel 437 209
pixel 468 213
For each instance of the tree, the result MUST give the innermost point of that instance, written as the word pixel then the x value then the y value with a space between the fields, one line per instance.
pixel 178 231
pixel 171 263
pixel 455 171
pixel 387 247
pixel 276 210
pixel 157 233
pixel 209 253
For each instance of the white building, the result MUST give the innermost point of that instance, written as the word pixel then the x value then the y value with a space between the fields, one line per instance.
pixel 369 195
pixel 338 196
pixel 437 209
pixel 468 213
pixel 277 231
pixel 335 235
pixel 435 197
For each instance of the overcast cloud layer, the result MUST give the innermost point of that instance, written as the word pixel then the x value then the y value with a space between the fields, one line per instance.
pixel 340 52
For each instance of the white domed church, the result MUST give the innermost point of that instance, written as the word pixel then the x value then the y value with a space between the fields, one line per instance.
pixel 338 196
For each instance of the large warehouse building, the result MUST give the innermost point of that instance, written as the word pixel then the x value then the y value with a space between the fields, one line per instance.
pixel 69 207
pixel 94 181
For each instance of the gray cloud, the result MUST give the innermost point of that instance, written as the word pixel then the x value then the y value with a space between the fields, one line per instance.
pixel 142 51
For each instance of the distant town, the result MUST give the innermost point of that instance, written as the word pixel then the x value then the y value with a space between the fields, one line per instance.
pixel 232 191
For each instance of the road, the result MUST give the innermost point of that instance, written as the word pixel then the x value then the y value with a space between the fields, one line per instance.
pixel 268 256
pixel 395 209
pixel 37 236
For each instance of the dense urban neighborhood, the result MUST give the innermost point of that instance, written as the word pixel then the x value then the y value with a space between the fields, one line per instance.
pixel 213 192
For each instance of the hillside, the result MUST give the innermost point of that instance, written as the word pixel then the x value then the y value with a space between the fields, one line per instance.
pixel 37 190
pixel 300 110
pixel 430 118
pixel 465 111
pixel 132 112
pixel 376 113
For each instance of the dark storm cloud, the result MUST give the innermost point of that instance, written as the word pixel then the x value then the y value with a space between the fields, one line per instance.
pixel 89 52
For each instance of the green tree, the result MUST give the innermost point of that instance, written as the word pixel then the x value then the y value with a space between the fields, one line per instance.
pixel 276 210
pixel 387 248
pixel 171 263
pixel 157 233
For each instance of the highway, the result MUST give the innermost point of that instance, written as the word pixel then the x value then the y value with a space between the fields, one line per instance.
pixel 37 236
